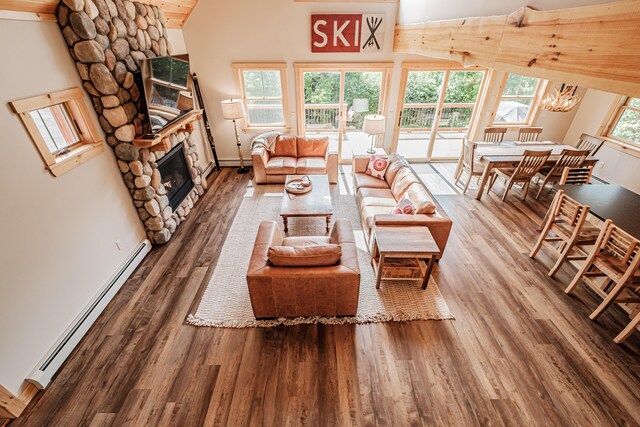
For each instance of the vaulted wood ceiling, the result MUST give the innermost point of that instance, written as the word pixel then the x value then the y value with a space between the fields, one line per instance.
pixel 176 11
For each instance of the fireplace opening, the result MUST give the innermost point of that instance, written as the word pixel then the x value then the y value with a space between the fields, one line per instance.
pixel 175 176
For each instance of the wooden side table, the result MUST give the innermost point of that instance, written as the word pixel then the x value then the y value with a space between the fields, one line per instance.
pixel 403 253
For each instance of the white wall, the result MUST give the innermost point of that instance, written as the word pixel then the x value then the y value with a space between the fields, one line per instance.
pixel 176 41
pixel 220 33
pixel 615 166
pixel 590 114
pixel 58 239
pixel 416 11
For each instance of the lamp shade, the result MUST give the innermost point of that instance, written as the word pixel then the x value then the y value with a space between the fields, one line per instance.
pixel 185 100
pixel 233 109
pixel 373 124
pixel 360 105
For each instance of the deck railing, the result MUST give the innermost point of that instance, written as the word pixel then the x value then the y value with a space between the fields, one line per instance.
pixel 420 117
pixel 265 114
pixel 321 116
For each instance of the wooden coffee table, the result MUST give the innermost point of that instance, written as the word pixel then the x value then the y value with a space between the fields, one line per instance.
pixel 316 202
pixel 403 253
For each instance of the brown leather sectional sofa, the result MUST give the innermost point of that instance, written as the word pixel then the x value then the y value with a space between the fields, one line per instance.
pixel 376 198
pixel 283 291
pixel 293 155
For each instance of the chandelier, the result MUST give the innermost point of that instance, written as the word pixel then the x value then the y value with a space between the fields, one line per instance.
pixel 562 100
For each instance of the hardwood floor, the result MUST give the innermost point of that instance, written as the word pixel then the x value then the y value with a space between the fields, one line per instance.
pixel 520 351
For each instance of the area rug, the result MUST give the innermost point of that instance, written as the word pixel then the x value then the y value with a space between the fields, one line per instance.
pixel 226 302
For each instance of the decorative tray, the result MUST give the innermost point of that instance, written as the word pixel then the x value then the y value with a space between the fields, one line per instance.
pixel 299 186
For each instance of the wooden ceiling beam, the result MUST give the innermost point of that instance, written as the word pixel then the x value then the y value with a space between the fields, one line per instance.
pixel 176 11
pixel 592 46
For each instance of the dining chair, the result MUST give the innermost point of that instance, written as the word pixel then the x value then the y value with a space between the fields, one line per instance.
pixel 568 158
pixel 567 227
pixel 628 330
pixel 468 163
pixel 494 134
pixel 576 175
pixel 529 134
pixel 616 257
pixel 590 143
pixel 530 164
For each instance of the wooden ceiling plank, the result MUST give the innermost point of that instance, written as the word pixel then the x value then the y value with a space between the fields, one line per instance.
pixel 27 16
pixel 176 11
pixel 471 41
pixel 598 42
pixel 591 46
pixel 33 6
pixel 186 18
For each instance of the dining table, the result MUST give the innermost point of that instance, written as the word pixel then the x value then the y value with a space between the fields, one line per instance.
pixel 509 154
pixel 608 201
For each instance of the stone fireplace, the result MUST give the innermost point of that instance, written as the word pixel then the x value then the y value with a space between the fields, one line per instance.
pixel 107 39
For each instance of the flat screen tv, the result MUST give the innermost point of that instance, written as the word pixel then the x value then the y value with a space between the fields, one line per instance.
pixel 167 90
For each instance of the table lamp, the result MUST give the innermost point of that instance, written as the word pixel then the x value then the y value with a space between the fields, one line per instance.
pixel 373 125
pixel 233 109
pixel 185 101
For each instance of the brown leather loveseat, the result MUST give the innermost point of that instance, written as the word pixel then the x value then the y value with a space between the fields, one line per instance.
pixel 376 199
pixel 281 155
pixel 302 291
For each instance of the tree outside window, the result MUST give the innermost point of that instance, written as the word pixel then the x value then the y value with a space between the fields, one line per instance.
pixel 264 94
pixel 519 96
pixel 627 125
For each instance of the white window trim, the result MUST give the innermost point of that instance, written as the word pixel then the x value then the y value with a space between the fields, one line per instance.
pixel 239 68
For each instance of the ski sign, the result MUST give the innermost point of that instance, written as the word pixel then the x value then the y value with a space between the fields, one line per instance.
pixel 347 33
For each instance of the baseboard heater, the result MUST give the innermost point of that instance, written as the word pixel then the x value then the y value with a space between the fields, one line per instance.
pixel 51 362
pixel 207 170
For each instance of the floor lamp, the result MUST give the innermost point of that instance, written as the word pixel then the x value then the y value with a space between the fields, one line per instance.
pixel 373 125
pixel 233 109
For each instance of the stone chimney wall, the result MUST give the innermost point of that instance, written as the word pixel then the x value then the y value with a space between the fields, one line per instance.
pixel 107 39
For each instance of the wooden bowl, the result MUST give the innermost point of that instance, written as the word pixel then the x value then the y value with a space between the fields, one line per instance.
pixel 295 187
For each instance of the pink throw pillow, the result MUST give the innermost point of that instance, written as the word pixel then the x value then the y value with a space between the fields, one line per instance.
pixel 404 207
pixel 377 167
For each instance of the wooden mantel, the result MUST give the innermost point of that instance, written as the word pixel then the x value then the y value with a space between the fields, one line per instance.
pixel 591 46
pixel 157 143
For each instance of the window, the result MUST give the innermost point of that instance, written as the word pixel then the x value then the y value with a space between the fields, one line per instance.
pixel 334 98
pixel 437 109
pixel 626 125
pixel 264 91
pixel 56 128
pixel 60 128
pixel 518 101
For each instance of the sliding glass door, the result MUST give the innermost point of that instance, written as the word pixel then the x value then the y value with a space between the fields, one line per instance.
pixel 437 110
pixel 336 98
pixel 418 112
pixel 362 92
